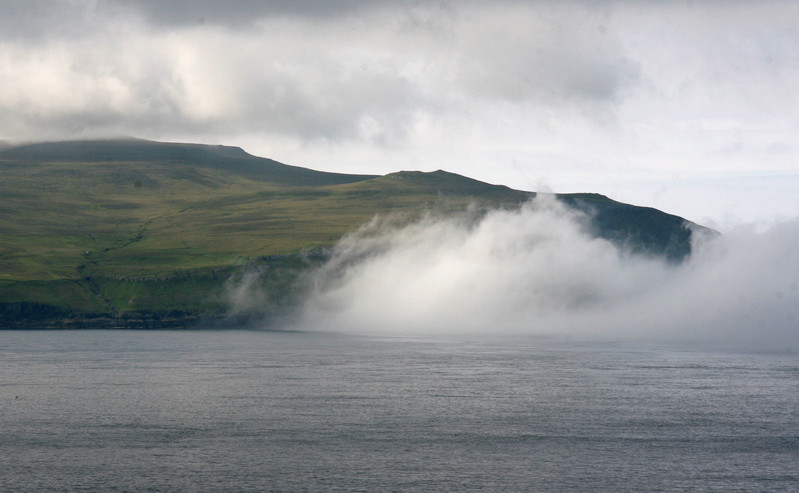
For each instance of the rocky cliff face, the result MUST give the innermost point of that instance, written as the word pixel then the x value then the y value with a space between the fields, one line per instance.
pixel 37 316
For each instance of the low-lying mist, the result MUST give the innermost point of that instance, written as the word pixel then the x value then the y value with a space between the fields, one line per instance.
pixel 535 270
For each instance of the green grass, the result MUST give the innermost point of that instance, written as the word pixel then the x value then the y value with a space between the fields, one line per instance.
pixel 191 294
pixel 130 225
pixel 177 223
pixel 73 295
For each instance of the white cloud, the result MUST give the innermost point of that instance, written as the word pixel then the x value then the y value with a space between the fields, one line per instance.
pixel 533 271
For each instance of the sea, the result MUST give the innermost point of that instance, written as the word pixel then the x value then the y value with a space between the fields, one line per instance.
pixel 255 410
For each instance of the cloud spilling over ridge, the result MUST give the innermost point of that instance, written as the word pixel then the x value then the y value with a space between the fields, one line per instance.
pixel 535 271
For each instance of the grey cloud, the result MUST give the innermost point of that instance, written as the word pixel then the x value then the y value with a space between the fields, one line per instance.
pixel 355 71
pixel 64 18
pixel 550 75
pixel 300 69
pixel 240 12
pixel 547 55
pixel 208 84
pixel 40 20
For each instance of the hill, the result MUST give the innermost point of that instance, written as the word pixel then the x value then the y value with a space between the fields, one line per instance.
pixel 132 233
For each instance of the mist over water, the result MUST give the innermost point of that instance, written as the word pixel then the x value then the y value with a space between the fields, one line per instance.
pixel 534 270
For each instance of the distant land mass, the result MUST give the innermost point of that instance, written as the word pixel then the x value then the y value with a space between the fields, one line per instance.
pixel 130 233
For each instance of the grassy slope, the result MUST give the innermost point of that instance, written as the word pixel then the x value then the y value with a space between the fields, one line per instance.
pixel 129 225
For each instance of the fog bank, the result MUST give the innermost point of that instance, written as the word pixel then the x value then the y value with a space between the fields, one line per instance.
pixel 535 271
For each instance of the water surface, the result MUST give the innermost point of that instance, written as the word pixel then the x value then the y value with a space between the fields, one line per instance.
pixel 281 411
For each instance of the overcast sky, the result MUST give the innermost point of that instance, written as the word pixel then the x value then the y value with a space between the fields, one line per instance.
pixel 690 107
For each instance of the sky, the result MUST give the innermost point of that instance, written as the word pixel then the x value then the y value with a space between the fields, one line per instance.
pixel 687 106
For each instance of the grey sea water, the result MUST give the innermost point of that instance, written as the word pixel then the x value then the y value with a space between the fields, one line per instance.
pixel 279 411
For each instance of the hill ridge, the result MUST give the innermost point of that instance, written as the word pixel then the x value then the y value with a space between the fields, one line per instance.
pixel 130 229
pixel 142 150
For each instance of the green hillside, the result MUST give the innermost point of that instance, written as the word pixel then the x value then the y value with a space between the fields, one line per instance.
pixel 146 233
